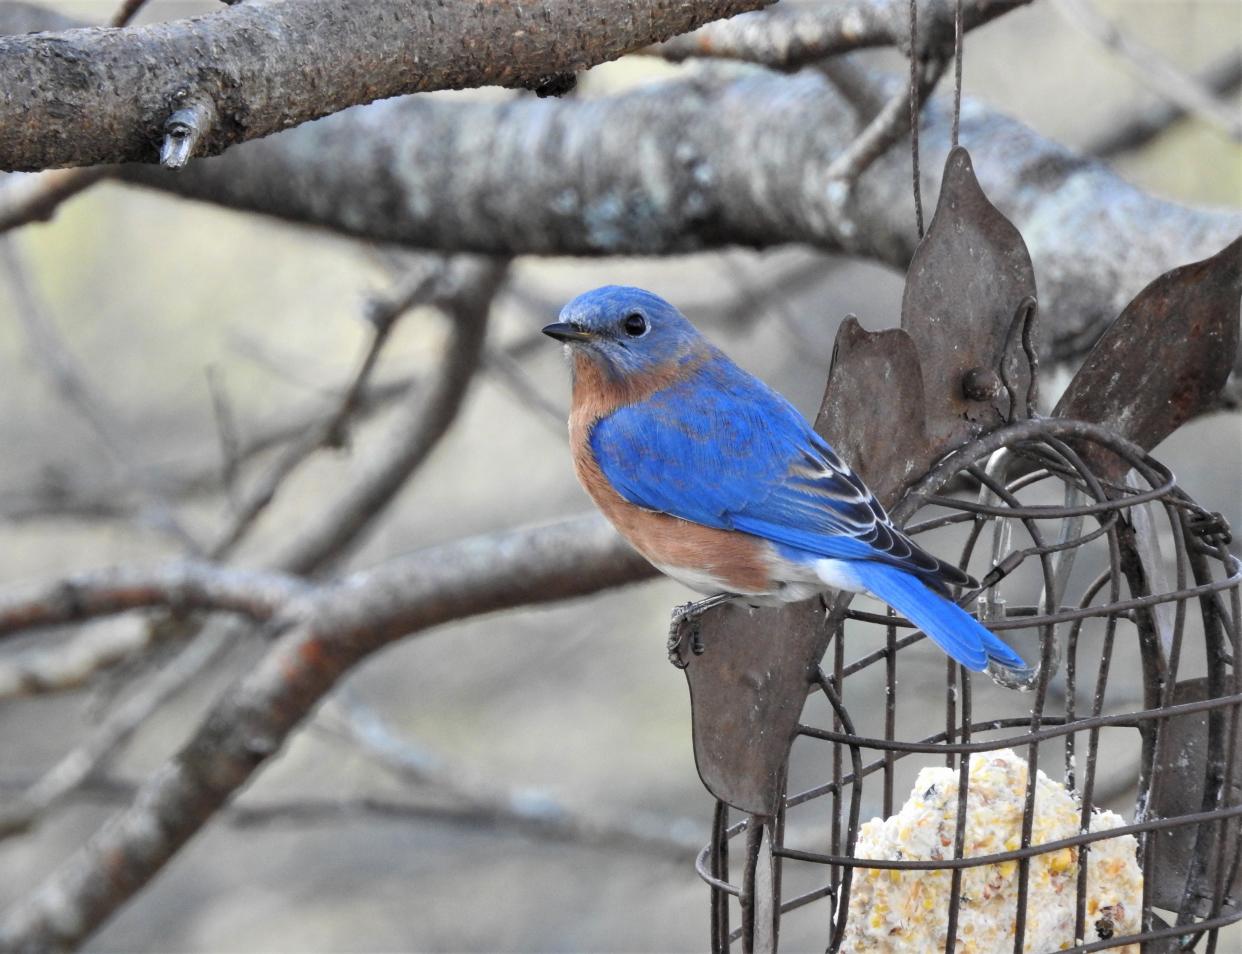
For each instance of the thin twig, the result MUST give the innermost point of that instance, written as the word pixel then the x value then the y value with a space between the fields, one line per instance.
pixel 1152 69
pixel 115 730
pixel 74 387
pixel 639 831
pixel 1131 131
pixel 330 430
pixel 72 664
pixel 508 372
pixel 226 434
pixel 475 800
pixel 181 587
pixel 756 301
pixel 35 196
pixel 469 288
pixel 126 12
pixel 888 128
pixel 674 838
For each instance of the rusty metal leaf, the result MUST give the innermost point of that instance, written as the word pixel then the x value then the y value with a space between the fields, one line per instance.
pixel 968 279
pixel 1182 760
pixel 874 373
pixel 1166 358
pixel 747 689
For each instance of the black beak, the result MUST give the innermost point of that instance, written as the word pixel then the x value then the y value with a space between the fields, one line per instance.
pixel 563 331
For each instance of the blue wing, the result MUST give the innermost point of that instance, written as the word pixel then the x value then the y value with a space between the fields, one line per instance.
pixel 726 451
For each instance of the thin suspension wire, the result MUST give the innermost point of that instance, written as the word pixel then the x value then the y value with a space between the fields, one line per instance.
pixel 914 114
pixel 957 70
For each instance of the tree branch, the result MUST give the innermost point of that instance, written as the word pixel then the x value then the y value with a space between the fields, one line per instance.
pixel 789 37
pixel 70 665
pixel 342 625
pixel 727 160
pixel 676 839
pixel 79 764
pixel 468 289
pixel 1130 131
pixel 93 95
pixel 330 431
pixel 1152 69
pixel 180 587
pixel 73 385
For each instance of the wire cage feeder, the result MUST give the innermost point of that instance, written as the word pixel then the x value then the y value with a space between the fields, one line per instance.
pixel 1092 803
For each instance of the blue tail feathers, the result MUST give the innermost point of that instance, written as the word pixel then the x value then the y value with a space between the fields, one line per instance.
pixel 953 629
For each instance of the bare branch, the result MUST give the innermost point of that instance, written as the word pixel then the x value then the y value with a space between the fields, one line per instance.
pixel 423 420
pixel 262 67
pixel 344 624
pixel 1152 69
pixel 35 197
pixel 1131 131
pixel 788 37
pixel 330 431
pixel 180 587
pixel 74 387
pixel 889 126
pixel 466 290
pixel 72 664
pixel 115 730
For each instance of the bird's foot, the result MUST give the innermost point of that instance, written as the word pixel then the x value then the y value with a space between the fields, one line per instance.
pixel 685 636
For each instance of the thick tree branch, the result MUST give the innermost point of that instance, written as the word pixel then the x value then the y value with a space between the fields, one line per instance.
pixel 787 37
pixel 96 95
pixel 343 624
pixel 701 163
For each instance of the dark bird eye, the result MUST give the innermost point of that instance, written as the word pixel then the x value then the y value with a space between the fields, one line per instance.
pixel 635 325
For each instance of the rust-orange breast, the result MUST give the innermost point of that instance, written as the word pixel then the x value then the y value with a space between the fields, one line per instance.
pixel 736 560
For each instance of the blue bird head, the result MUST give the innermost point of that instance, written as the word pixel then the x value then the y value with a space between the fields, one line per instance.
pixel 625 330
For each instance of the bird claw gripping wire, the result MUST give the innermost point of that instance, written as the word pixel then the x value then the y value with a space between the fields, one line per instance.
pixel 685 632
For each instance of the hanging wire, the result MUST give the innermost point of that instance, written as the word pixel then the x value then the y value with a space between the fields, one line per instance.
pixel 957 69
pixel 914 98
pixel 914 114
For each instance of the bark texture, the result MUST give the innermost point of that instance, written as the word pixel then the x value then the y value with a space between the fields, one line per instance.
pixel 98 95
pixel 722 159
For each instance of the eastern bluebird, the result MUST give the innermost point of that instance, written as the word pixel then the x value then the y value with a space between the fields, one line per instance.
pixel 720 483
